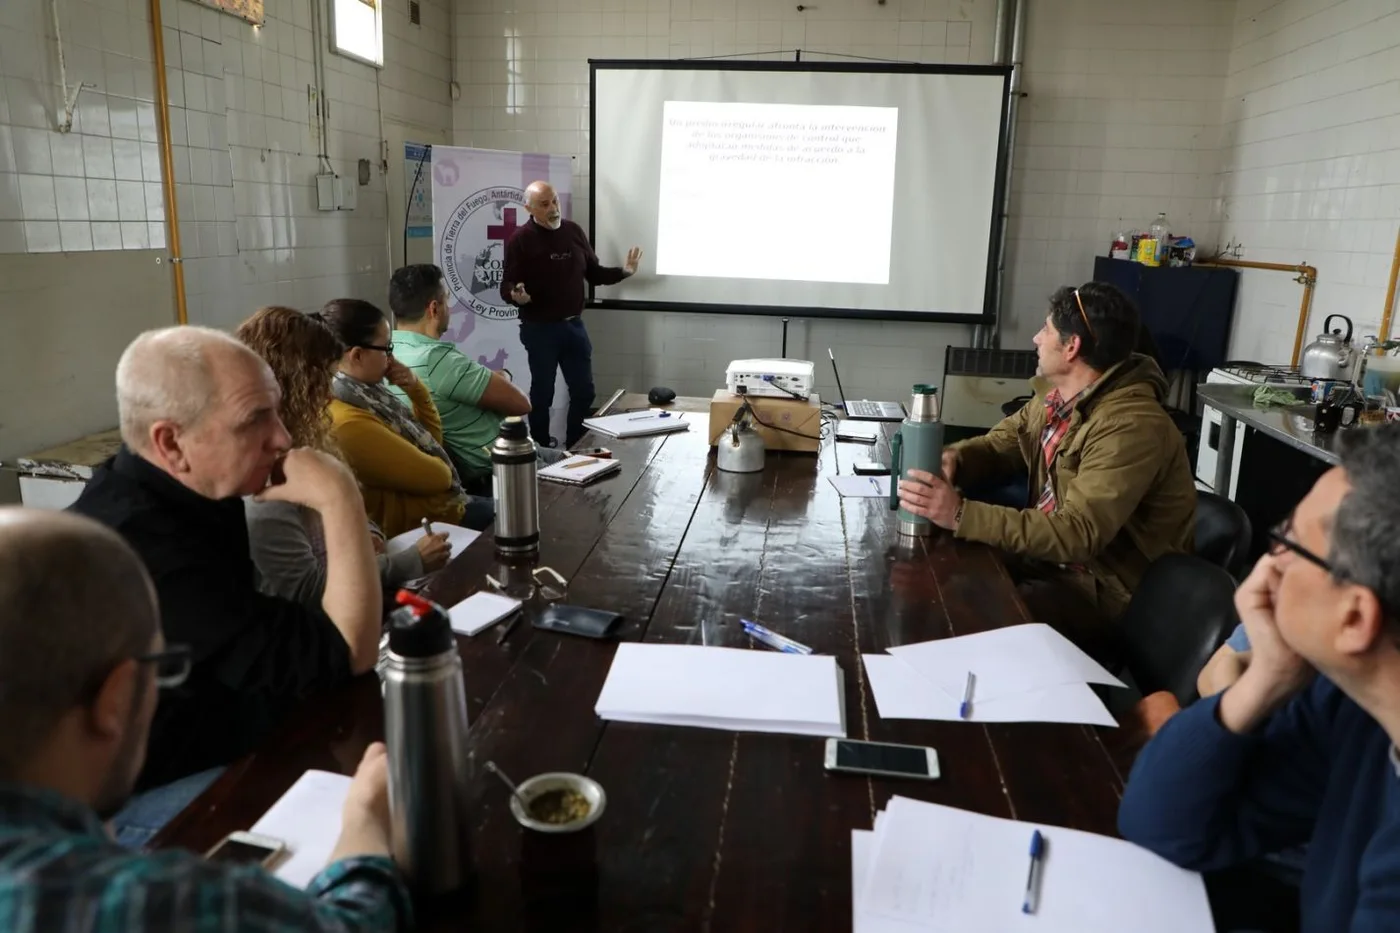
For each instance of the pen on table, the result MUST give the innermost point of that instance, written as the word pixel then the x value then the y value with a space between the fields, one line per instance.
pixel 1033 879
pixel 965 708
pixel 876 483
pixel 427 527
pixel 580 463
pixel 773 639
pixel 514 618
pixel 650 415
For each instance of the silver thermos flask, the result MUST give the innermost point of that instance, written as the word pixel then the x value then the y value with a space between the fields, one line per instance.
pixel 425 729
pixel 517 491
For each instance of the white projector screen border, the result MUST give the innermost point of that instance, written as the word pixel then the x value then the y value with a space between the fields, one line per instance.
pixel 994 211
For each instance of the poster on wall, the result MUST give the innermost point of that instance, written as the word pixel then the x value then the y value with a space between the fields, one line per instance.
pixel 418 188
pixel 248 10
pixel 478 201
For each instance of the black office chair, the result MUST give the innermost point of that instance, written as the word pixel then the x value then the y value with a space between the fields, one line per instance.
pixel 1182 611
pixel 1223 533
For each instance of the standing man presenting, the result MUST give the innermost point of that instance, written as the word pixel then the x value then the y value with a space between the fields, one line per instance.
pixel 547 263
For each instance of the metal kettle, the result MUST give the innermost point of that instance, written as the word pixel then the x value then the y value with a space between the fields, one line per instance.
pixel 1329 356
pixel 740 448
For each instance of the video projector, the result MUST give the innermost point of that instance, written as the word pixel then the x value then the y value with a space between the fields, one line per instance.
pixel 771 378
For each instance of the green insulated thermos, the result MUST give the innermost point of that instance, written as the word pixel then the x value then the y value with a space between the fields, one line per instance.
pixel 917 445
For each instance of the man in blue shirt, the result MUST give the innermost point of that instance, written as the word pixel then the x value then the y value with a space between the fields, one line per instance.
pixel 81 660
pixel 1301 748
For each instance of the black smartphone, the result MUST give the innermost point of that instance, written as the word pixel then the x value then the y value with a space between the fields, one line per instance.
pixel 576 620
pixel 870 468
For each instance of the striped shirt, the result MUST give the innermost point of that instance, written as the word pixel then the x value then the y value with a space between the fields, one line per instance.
pixel 61 873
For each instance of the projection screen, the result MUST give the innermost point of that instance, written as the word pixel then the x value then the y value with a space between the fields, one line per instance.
pixel 816 189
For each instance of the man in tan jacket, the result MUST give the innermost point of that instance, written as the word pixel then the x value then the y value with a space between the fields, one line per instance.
pixel 1110 485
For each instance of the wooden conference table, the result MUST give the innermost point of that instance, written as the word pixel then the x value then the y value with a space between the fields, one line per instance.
pixel 704 830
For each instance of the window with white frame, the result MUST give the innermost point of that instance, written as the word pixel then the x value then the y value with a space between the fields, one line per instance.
pixel 357 30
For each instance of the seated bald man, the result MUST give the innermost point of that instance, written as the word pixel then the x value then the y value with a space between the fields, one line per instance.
pixel 81 661
pixel 548 261
pixel 200 431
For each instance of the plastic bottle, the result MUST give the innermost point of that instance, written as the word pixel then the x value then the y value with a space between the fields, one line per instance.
pixel 1161 233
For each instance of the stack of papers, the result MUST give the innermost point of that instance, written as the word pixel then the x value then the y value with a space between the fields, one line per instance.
pixel 929 867
pixel 480 611
pixel 1024 673
pixel 724 688
pixel 307 819
pixel 862 487
pixel 638 423
pixel 579 470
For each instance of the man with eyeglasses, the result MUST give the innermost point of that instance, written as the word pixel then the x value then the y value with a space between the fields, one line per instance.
pixel 1301 748
pixel 200 431
pixel 1110 487
pixel 81 661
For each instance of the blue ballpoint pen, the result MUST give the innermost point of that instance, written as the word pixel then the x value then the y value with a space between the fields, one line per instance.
pixel 773 639
pixel 965 708
pixel 1033 879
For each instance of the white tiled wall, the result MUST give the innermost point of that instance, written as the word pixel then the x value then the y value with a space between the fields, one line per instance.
pixel 97 187
pixel 1121 122
pixel 1312 162
pixel 244 140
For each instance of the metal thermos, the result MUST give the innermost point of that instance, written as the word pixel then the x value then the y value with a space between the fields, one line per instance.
pixel 425 729
pixel 517 491
pixel 917 445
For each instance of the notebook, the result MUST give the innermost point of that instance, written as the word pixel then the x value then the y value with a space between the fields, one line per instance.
pixel 579 470
pixel 480 611
pixel 638 423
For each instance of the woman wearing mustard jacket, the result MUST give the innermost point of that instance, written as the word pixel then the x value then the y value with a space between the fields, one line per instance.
pixel 398 457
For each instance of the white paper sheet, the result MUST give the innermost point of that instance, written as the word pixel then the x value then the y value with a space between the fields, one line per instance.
pixel 480 611
pixel 457 538
pixel 307 819
pixel 638 423
pixel 724 688
pixel 953 870
pixel 1016 659
pixel 863 487
pixel 901 692
pixel 863 921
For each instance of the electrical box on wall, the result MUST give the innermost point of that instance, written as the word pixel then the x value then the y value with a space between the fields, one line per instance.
pixel 347 193
pixel 326 191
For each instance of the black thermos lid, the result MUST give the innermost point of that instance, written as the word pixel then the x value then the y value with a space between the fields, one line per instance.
pixel 419 628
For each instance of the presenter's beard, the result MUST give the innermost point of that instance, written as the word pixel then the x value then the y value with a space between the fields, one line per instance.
pixel 555 221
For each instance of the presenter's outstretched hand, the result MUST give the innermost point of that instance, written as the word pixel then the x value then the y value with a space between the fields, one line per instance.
pixel 519 295
pixel 634 256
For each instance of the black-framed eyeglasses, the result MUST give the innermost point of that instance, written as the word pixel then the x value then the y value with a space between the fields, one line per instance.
pixel 386 348
pixel 1279 541
pixel 172 665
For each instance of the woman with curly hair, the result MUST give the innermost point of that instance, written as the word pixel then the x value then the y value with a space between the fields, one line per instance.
pixel 286 540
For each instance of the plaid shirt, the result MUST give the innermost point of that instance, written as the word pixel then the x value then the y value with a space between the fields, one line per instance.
pixel 61 873
pixel 1057 413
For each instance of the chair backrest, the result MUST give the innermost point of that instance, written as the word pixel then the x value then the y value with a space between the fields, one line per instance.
pixel 1223 533
pixel 1182 611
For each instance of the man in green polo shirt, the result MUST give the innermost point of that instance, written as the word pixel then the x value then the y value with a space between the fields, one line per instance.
pixel 471 399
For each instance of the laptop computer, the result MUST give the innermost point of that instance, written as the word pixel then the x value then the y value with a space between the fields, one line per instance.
pixel 865 410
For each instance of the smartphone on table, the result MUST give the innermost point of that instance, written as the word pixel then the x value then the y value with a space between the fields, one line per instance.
pixel 884 759
pixel 241 848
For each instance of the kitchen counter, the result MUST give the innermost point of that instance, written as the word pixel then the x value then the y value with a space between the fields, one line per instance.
pixel 1292 426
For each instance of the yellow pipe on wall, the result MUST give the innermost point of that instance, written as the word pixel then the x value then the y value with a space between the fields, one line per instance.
pixel 1390 293
pixel 167 166
pixel 1306 276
